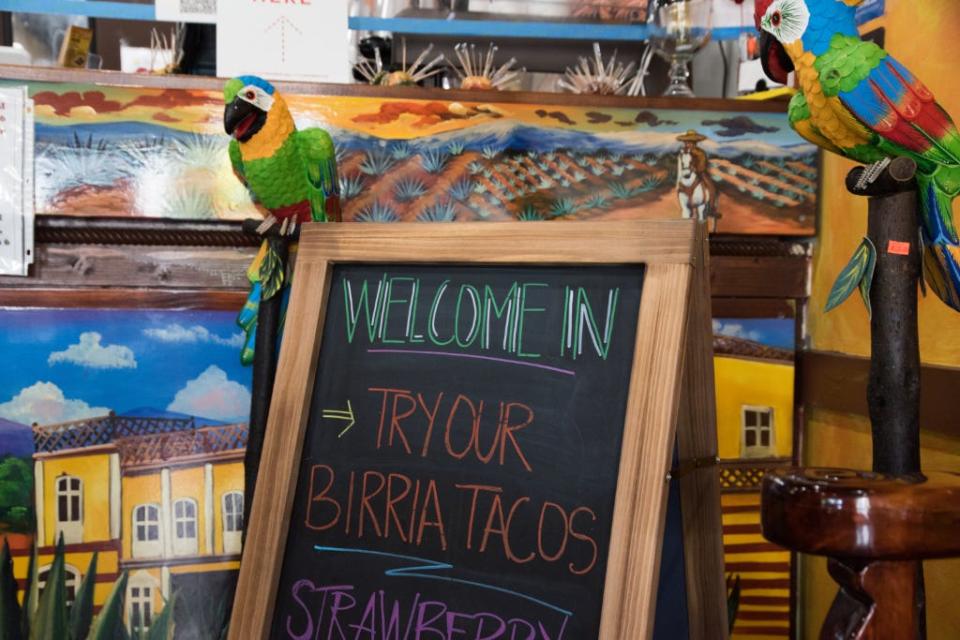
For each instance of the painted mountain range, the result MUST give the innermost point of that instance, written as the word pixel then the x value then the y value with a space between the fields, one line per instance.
pixel 15 439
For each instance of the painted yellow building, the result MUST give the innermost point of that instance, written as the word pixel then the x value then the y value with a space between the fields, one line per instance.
pixel 159 498
pixel 754 389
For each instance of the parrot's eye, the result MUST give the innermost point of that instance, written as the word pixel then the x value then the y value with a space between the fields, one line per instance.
pixel 776 19
pixel 250 95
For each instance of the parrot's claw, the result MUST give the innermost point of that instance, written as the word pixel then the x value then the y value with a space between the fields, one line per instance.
pixel 283 226
pixel 268 222
pixel 293 226
pixel 871 173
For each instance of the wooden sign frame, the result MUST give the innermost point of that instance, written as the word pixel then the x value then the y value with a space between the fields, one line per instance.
pixel 670 399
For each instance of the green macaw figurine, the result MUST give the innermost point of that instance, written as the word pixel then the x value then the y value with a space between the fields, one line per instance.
pixel 290 173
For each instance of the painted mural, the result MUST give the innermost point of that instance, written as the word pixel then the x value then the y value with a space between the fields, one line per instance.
pixel 754 373
pixel 122 432
pixel 152 152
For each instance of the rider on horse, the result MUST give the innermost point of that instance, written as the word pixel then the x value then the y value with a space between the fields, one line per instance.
pixel 695 189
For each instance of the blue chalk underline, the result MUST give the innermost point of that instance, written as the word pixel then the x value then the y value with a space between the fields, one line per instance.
pixel 473 356
pixel 424 564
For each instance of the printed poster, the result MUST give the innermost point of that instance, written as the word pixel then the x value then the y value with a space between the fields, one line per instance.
pixel 196 11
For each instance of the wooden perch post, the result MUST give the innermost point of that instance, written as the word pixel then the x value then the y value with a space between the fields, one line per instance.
pixel 893 393
pixel 264 369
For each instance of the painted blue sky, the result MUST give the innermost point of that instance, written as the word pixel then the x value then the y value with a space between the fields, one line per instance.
pixel 67 364
pixel 773 332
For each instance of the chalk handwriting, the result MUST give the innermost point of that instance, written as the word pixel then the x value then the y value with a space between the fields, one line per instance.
pixel 453 424
pixel 400 310
pixel 376 505
pixel 344 612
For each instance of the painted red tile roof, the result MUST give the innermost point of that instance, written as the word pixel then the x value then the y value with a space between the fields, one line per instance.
pixel 742 348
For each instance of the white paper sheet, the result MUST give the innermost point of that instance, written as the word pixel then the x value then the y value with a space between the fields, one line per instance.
pixel 290 40
pixel 13 179
pixel 29 204
pixel 727 13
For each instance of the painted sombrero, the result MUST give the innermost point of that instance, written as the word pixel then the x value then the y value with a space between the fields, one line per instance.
pixel 691 136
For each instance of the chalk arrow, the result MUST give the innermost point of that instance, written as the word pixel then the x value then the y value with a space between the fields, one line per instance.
pixel 340 414
pixel 284 22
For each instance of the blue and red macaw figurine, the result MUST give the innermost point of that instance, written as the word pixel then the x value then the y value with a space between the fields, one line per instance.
pixel 856 100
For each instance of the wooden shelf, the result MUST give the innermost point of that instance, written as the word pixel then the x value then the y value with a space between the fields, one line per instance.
pixel 539 30
pixel 90 8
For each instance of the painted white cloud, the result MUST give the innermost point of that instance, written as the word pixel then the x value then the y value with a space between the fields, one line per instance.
pixel 177 333
pixel 89 352
pixel 213 395
pixel 734 330
pixel 44 403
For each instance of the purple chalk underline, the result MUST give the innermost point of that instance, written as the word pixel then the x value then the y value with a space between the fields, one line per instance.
pixel 471 356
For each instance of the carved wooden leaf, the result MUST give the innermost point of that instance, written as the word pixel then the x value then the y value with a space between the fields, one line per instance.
pixel 858 274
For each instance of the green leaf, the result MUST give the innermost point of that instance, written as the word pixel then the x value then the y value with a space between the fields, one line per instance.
pixel 108 625
pixel 857 274
pixel 9 607
pixel 50 620
pixel 271 273
pixel 866 282
pixel 81 613
pixel 31 594
pixel 162 627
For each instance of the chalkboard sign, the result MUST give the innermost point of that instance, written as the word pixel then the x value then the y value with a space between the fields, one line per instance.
pixel 471 427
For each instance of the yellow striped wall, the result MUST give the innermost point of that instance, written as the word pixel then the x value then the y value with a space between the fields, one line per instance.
pixel 764 571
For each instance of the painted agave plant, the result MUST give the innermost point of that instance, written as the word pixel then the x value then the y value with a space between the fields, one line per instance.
pixel 47 615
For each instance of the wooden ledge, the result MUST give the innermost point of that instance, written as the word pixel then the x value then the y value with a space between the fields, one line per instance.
pixel 854 514
pixel 202 83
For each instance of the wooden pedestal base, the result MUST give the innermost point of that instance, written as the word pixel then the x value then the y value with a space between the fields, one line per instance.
pixel 876 529
pixel 875 601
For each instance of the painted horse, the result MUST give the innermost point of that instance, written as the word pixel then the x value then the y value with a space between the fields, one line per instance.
pixel 695 189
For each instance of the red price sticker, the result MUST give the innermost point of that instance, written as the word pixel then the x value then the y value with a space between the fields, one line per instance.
pixel 898 248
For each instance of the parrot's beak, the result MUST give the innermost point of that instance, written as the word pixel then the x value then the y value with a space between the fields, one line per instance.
pixel 776 63
pixel 242 119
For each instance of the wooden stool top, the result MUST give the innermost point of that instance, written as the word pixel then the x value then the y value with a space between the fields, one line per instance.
pixel 856 514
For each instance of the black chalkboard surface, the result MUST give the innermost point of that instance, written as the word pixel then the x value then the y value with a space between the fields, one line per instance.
pixel 460 464
pixel 471 433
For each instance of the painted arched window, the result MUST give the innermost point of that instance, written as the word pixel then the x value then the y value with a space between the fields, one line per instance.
pixel 185 527
pixel 146 531
pixel 69 509
pixel 71 580
pixel 232 521
pixel 141 594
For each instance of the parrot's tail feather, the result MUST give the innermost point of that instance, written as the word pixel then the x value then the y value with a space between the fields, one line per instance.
pixel 941 259
pixel 249 314
pixel 247 320
pixel 249 344
pixel 253 271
